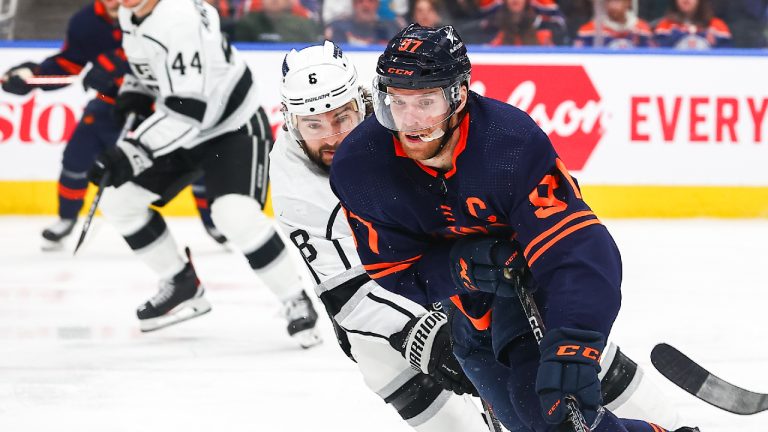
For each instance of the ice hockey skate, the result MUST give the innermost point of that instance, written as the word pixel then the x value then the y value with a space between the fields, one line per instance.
pixel 54 235
pixel 302 318
pixel 179 299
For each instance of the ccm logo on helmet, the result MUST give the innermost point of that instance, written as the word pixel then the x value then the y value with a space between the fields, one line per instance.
pixel 397 71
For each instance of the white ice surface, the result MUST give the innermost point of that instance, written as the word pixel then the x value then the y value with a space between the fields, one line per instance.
pixel 72 358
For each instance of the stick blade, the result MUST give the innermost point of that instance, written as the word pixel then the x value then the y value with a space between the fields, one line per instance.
pixel 691 377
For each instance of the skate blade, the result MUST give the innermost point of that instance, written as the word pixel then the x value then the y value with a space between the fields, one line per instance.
pixel 307 338
pixel 51 246
pixel 183 312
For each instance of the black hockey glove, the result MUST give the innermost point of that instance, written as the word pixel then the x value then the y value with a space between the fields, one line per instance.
pixel 426 344
pixel 569 367
pixel 123 162
pixel 14 81
pixel 133 102
pixel 106 73
pixel 488 264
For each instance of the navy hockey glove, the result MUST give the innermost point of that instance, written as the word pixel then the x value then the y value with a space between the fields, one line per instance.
pixel 123 162
pixel 570 362
pixel 426 344
pixel 133 102
pixel 106 73
pixel 14 81
pixel 479 263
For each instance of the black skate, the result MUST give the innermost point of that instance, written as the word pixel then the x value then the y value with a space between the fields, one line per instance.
pixel 54 235
pixel 179 299
pixel 302 318
pixel 215 234
pixel 688 429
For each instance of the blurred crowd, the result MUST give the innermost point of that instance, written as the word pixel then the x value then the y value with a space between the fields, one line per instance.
pixel 683 24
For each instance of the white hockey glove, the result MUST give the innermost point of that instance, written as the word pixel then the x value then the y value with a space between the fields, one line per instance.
pixel 426 344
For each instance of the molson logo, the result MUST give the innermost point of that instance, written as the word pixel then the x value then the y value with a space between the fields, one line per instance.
pixel 32 122
pixel 561 99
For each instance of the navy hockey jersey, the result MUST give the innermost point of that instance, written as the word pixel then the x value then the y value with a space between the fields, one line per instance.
pixel 506 180
pixel 90 33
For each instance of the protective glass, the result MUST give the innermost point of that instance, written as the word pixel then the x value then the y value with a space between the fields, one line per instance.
pixel 329 124
pixel 411 112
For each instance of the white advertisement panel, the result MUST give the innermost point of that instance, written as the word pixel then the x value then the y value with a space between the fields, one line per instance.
pixel 615 119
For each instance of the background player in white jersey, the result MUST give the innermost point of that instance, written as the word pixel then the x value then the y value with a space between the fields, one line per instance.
pixel 322 105
pixel 323 102
pixel 206 121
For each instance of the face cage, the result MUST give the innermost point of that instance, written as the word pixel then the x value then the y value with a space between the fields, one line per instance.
pixel 292 122
pixel 383 111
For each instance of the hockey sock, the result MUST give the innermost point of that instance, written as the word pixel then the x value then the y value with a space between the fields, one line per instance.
pixel 71 188
pixel 155 246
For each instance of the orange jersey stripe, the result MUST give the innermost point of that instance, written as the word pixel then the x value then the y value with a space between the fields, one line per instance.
pixel 560 237
pixel 550 231
pixel 481 323
pixel 373 235
pixel 68 66
pixel 390 270
pixel 379 266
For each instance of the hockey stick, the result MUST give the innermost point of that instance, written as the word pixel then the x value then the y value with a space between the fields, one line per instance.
pixel 50 79
pixel 102 185
pixel 575 416
pixel 691 377
pixel 493 422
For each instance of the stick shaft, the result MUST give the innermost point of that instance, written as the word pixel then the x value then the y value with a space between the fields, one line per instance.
pixel 102 185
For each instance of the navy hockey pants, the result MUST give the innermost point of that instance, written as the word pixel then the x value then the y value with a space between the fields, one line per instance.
pixel 503 361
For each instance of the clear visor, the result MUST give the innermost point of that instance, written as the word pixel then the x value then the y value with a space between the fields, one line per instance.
pixel 325 125
pixel 410 110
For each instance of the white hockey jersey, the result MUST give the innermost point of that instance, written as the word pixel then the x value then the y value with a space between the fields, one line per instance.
pixel 310 214
pixel 202 86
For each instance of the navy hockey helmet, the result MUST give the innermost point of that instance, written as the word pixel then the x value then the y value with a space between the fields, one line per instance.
pixel 424 57
pixel 421 58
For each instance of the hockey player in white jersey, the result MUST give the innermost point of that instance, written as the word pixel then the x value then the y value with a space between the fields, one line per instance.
pixel 207 120
pixel 323 102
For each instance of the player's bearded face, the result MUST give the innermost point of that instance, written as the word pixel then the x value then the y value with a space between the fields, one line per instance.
pixel 323 133
pixel 421 117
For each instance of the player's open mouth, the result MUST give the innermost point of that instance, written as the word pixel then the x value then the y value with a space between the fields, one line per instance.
pixel 415 138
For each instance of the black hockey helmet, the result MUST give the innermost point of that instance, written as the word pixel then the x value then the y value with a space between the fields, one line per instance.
pixel 421 58
pixel 424 57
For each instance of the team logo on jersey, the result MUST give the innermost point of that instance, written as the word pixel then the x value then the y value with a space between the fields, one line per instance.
pixel 143 71
pixel 561 99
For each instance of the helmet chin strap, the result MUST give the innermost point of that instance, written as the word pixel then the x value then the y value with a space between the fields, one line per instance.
pixel 445 135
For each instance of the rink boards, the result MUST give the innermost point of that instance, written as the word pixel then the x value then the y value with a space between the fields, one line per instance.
pixel 647 133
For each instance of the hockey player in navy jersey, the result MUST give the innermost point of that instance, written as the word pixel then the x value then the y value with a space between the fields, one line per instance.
pixel 93 37
pixel 436 188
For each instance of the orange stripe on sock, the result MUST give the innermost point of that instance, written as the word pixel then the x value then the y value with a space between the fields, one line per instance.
pixel 550 231
pixel 560 237
pixel 71 194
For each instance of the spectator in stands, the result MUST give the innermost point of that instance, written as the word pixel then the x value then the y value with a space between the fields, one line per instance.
pixel 577 13
pixel 691 24
pixel 652 10
pixel 427 13
pixel 277 22
pixel 525 22
pixel 364 27
pixel 620 28
pixel 746 19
